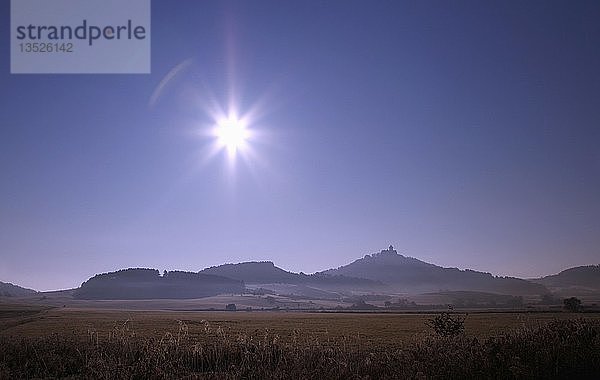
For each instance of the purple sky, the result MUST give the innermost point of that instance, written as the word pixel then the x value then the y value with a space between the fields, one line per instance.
pixel 464 133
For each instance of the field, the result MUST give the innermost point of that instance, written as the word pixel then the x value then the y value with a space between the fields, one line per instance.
pixel 368 329
pixel 57 342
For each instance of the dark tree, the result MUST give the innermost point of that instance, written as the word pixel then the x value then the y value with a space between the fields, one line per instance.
pixel 230 307
pixel 572 304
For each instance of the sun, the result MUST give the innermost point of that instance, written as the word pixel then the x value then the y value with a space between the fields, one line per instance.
pixel 232 134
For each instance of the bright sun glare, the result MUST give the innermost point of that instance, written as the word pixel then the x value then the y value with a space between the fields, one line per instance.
pixel 232 134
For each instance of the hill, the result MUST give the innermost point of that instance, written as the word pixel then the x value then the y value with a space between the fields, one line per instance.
pixel 407 274
pixel 383 273
pixel 9 290
pixel 265 272
pixel 254 272
pixel 149 284
pixel 583 278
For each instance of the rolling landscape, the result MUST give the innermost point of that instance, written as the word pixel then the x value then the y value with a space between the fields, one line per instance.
pixel 385 280
pixel 281 190
pixel 259 313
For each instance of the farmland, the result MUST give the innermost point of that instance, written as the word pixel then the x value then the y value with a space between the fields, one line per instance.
pixel 378 329
pixel 120 343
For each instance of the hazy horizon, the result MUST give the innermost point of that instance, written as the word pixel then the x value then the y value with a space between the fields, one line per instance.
pixel 465 134
pixel 297 270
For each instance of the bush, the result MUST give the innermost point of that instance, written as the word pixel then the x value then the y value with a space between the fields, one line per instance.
pixel 572 304
pixel 447 324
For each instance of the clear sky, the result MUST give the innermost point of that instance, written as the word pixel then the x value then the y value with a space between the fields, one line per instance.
pixel 466 133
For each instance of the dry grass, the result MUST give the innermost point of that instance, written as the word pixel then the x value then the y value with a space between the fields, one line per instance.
pixel 121 344
pixel 376 328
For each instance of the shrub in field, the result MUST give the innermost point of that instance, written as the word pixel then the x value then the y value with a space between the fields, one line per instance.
pixel 447 324
pixel 572 304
